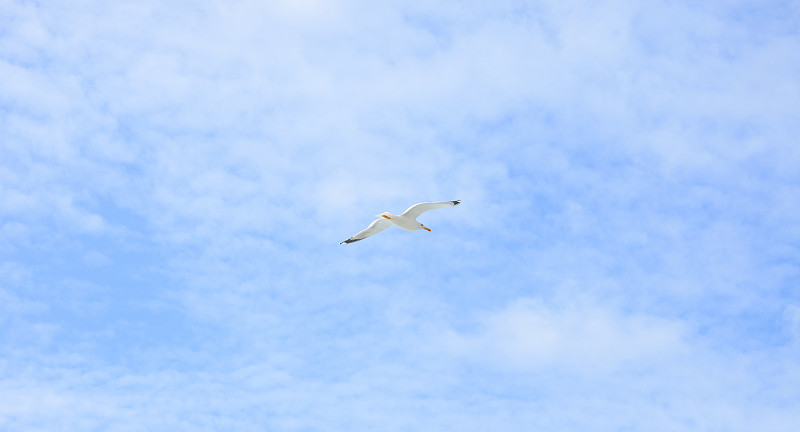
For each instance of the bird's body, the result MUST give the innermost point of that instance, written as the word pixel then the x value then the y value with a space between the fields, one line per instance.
pixel 407 220
pixel 404 222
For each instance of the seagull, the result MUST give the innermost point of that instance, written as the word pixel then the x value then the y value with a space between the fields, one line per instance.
pixel 406 221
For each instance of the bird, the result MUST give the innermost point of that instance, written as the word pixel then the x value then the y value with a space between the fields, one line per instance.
pixel 406 220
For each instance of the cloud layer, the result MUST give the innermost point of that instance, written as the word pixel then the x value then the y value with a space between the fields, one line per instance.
pixel 175 180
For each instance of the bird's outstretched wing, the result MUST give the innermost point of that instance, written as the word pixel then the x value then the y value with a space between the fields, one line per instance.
pixel 373 228
pixel 417 209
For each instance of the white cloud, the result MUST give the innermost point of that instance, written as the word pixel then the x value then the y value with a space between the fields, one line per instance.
pixel 530 335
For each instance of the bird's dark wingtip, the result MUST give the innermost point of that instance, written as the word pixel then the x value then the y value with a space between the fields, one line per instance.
pixel 456 202
pixel 350 241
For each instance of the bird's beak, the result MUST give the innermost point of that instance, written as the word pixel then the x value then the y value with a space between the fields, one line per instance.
pixel 384 216
pixel 426 229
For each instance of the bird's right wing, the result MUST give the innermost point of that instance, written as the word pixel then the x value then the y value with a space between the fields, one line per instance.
pixel 417 209
pixel 373 228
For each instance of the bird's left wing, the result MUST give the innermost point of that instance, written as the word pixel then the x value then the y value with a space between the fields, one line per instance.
pixel 417 209
pixel 373 228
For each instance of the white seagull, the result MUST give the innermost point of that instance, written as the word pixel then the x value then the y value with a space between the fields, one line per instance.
pixel 406 221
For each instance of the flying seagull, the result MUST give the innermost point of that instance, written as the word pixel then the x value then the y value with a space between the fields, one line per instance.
pixel 406 221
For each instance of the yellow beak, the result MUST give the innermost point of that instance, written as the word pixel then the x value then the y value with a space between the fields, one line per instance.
pixel 426 229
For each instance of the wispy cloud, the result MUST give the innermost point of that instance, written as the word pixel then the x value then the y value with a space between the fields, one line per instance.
pixel 588 337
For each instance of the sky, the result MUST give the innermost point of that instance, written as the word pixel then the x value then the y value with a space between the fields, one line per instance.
pixel 175 179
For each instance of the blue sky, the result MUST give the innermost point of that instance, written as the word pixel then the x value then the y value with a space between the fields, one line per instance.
pixel 175 179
